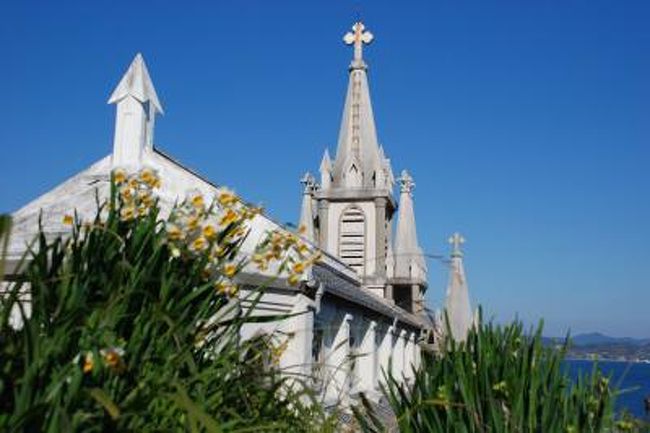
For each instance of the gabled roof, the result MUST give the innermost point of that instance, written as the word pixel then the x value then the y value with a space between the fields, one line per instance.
pixel 339 286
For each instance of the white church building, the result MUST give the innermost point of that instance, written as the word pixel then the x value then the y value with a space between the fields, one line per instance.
pixel 362 304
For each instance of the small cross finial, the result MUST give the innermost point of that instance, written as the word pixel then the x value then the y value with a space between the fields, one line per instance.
pixel 309 182
pixel 406 183
pixel 357 37
pixel 456 240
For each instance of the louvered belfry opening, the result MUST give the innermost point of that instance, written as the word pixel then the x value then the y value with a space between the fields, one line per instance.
pixel 352 239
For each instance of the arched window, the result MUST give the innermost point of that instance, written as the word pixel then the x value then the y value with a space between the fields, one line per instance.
pixel 352 239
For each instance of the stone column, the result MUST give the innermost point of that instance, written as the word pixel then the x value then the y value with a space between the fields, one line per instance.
pixel 384 354
pixel 417 353
pixel 389 293
pixel 380 237
pixel 296 360
pixel 416 302
pixel 337 381
pixel 409 356
pixel 367 360
pixel 323 214
pixel 398 355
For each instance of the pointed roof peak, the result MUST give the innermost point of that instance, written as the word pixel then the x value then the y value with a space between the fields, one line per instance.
pixel 136 82
pixel 309 182
pixel 326 161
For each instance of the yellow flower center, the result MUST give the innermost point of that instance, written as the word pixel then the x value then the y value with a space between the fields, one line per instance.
pixel 119 176
pixel 88 363
pixel 192 223
pixel 299 268
pixel 226 198
pixel 209 231
pixel 127 213
pixel 230 217
pixel 112 359
pixel 197 201
pixel 174 233
pixel 230 270
pixel 199 243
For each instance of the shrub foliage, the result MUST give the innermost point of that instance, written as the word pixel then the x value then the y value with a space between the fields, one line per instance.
pixel 122 331
pixel 500 379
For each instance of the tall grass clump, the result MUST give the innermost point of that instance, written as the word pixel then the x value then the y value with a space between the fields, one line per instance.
pixel 131 323
pixel 500 379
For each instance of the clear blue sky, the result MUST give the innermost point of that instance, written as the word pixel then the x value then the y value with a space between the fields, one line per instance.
pixel 525 124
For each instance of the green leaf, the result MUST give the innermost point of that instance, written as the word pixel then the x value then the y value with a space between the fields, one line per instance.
pixel 102 398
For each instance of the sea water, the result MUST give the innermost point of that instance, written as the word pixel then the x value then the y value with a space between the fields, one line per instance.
pixel 630 378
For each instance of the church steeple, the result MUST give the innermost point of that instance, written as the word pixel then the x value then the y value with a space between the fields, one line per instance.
pixel 137 105
pixel 359 163
pixel 457 304
pixel 409 262
pixel 355 200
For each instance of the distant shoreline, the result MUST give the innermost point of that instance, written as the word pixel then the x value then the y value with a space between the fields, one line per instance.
pixel 622 361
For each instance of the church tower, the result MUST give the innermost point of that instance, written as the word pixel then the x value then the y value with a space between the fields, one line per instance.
pixel 355 204
pixel 351 212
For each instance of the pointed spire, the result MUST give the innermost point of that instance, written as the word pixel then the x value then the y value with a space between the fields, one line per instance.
pixel 457 303
pixel 306 223
pixel 137 105
pixel 357 156
pixel 326 170
pixel 136 82
pixel 409 261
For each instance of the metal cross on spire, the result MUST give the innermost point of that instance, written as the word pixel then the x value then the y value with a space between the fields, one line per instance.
pixel 456 240
pixel 357 37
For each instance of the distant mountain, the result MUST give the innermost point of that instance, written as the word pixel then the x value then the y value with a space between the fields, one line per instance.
pixel 596 338
pixel 596 345
pixel 599 339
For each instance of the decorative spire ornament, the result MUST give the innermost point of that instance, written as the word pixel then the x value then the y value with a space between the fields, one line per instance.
pixel 358 37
